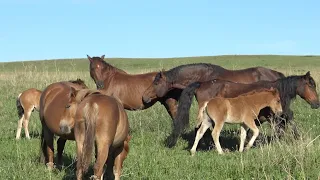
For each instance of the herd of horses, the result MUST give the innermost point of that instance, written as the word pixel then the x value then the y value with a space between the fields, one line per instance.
pixel 97 119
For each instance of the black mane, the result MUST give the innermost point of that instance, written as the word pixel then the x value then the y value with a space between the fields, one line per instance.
pixel 79 82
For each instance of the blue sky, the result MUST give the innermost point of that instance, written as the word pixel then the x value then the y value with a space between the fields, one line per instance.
pixel 46 29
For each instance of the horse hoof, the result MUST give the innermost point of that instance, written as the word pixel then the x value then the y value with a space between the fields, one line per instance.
pixel 94 177
pixel 50 166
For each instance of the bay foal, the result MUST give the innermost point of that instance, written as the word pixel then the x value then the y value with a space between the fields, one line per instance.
pixel 26 103
pixel 242 109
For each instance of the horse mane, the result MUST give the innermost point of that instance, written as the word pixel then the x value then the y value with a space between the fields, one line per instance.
pixel 82 93
pixel 79 82
pixel 174 73
pixel 107 65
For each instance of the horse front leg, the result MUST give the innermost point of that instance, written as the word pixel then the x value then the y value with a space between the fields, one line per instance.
pixel 60 146
pixel 47 146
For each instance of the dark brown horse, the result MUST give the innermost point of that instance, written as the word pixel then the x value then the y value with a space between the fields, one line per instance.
pixel 99 120
pixel 288 87
pixel 129 88
pixel 181 76
pixel 53 102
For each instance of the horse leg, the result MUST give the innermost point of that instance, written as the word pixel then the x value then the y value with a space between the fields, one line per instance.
pixel 60 146
pixel 27 115
pixel 243 136
pixel 202 107
pixel 79 136
pixel 251 124
pixel 120 156
pixel 171 107
pixel 48 146
pixel 216 133
pixel 206 123
pixel 19 127
pixel 102 156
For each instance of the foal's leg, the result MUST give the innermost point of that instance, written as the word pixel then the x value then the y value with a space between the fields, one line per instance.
pixel 118 162
pixel 60 146
pixel 202 107
pixel 206 123
pixel 243 136
pixel 216 133
pixel 251 124
pixel 27 115
pixel 19 127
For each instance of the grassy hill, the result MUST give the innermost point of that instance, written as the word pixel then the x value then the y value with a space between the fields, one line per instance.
pixel 148 157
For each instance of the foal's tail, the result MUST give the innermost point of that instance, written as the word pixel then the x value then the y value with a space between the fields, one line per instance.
pixel 19 106
pixel 182 118
pixel 90 116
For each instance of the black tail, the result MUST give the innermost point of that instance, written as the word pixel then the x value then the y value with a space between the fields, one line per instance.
pixel 19 107
pixel 182 119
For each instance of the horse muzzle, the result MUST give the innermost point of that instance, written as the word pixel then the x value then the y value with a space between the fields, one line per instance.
pixel 146 99
pixel 100 84
pixel 315 105
pixel 64 127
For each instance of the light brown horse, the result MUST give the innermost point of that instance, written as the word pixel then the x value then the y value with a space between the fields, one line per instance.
pixel 129 88
pixel 243 109
pixel 26 103
pixel 53 102
pixel 99 120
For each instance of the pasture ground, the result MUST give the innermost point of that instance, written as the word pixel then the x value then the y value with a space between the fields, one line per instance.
pixel 148 157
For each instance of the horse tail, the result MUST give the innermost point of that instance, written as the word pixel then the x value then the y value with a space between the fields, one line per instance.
pixel 90 116
pixel 19 106
pixel 182 118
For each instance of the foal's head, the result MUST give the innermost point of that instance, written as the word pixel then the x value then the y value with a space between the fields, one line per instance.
pixel 274 99
pixel 307 90
pixel 97 65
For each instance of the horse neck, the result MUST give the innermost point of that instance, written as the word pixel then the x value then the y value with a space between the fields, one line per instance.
pixel 287 90
pixel 110 71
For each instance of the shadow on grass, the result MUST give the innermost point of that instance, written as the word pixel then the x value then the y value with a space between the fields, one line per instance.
pixel 229 140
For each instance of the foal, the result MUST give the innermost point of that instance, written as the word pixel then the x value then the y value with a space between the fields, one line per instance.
pixel 100 120
pixel 26 102
pixel 242 109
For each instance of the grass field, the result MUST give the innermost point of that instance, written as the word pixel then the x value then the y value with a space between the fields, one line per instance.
pixel 148 157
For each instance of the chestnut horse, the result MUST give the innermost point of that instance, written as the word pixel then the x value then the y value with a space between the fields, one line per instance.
pixel 99 120
pixel 241 110
pixel 288 87
pixel 53 102
pixel 183 75
pixel 26 103
pixel 129 88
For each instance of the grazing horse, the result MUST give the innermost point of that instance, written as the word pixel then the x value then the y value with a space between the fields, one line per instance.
pixel 26 103
pixel 241 110
pixel 288 87
pixel 181 76
pixel 53 102
pixel 99 120
pixel 129 88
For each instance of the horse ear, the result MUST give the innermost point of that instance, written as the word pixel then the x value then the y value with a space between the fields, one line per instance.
pixel 102 57
pixel 73 93
pixel 308 74
pixel 90 59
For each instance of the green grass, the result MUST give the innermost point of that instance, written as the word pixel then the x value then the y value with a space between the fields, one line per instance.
pixel 148 157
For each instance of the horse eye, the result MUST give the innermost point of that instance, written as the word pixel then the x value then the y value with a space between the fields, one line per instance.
pixel 67 106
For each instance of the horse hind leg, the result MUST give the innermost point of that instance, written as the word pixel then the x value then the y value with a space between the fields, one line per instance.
pixel 19 127
pixel 206 123
pixel 216 133
pixel 243 136
pixel 102 156
pixel 27 115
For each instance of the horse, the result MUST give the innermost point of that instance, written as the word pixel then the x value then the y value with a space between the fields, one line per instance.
pixel 26 103
pixel 99 120
pixel 129 88
pixel 288 87
pixel 53 102
pixel 241 110
pixel 181 76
